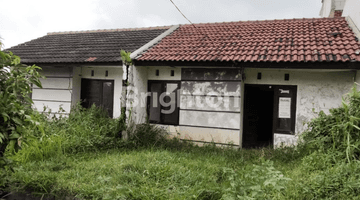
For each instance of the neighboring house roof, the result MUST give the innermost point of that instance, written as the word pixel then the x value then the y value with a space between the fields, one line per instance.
pixel 96 46
pixel 269 41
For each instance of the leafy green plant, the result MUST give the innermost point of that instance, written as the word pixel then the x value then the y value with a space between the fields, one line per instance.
pixel 125 57
pixel 258 183
pixel 337 132
pixel 16 114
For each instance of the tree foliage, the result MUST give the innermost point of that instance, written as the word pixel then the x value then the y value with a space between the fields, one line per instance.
pixel 16 118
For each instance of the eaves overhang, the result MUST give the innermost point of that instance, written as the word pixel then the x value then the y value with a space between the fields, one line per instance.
pixel 64 64
pixel 281 65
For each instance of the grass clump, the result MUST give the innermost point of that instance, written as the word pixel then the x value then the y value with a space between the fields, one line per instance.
pixel 83 130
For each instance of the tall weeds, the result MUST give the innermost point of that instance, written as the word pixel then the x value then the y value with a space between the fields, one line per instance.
pixel 83 130
pixel 338 132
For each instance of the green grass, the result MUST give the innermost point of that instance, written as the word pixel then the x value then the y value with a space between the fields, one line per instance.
pixel 134 174
pixel 190 173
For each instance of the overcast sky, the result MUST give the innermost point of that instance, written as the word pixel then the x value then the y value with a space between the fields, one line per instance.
pixel 25 20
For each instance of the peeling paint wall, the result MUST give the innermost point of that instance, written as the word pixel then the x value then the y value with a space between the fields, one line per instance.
pixel 202 118
pixel 317 90
pixel 284 140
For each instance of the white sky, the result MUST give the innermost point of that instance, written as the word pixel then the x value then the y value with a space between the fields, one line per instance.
pixel 25 20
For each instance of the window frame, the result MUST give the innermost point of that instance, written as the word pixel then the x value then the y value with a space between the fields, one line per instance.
pixel 177 101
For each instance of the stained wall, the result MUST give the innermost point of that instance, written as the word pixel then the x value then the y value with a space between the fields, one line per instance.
pixel 317 91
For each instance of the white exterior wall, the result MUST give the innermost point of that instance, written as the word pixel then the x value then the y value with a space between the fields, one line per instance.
pixel 56 91
pixel 352 9
pixel 316 91
pixel 329 6
pixel 339 4
pixel 62 86
pixel 114 73
pixel 326 8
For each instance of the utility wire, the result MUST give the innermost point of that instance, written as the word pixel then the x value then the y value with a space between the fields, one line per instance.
pixel 204 34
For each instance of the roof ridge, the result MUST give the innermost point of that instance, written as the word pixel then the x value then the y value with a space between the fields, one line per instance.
pixel 111 30
pixel 266 20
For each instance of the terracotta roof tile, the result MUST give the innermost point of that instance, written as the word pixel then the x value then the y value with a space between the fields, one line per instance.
pixel 292 40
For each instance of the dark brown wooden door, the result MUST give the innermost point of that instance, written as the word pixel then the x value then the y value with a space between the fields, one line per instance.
pixel 284 109
pixel 98 92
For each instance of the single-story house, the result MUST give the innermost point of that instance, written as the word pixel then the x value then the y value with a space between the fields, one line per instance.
pixel 83 65
pixel 249 83
pixel 245 83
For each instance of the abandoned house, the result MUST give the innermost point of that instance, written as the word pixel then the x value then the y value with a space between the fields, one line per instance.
pixel 245 83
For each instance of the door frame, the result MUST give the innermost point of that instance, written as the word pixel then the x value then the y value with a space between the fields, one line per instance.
pixel 293 96
pixel 161 107
pixel 101 80
pixel 243 111
pixel 275 87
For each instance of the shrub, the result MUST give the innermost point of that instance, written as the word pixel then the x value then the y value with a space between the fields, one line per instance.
pixel 337 132
pixel 15 103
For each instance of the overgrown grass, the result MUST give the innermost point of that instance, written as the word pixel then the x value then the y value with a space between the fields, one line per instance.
pixel 195 173
pixel 83 130
pixel 81 156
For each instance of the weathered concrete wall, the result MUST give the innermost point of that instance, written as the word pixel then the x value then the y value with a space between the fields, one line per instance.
pixel 317 90
pixel 198 119
pixel 114 73
pixel 138 79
